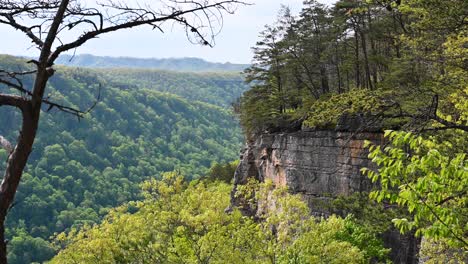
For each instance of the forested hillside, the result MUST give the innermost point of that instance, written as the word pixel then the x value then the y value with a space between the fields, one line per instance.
pixel 395 67
pixel 376 64
pixel 220 89
pixel 172 64
pixel 81 168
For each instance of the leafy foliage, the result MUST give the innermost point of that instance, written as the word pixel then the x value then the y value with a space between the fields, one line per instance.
pixel 80 169
pixel 296 237
pixel 27 249
pixel 376 217
pixel 222 172
pixel 402 62
pixel 186 223
pixel 439 251
pixel 416 174
pixel 326 112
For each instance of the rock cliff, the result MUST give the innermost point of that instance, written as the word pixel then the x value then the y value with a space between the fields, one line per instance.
pixel 320 165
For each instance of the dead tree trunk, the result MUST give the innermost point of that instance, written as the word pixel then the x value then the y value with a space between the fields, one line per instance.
pixel 31 111
pixel 15 165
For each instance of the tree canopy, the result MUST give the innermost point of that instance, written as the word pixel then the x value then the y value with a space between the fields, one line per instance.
pixel 401 64
pixel 181 222
pixel 389 64
pixel 428 179
pixel 79 169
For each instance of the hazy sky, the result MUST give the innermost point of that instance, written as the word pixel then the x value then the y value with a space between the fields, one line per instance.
pixel 233 44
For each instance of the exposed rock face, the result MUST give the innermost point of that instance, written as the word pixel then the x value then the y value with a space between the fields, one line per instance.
pixel 318 164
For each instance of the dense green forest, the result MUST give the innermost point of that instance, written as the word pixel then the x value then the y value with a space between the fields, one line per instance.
pixel 172 64
pixel 400 63
pixel 398 66
pixel 81 168
pixel 384 64
pixel 180 222
pixel 220 89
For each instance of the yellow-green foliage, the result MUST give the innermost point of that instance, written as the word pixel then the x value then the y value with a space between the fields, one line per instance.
pixel 181 222
pixel 457 111
pixel 435 252
pixel 319 245
pixel 222 171
pixel 428 178
pixel 326 111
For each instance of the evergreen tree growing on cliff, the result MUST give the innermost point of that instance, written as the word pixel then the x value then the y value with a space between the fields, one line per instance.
pixel 399 55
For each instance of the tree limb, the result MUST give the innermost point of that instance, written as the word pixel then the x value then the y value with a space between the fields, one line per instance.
pixel 146 18
pixel 426 114
pixel 70 110
pixel 13 100
pixel 27 30
pixel 5 77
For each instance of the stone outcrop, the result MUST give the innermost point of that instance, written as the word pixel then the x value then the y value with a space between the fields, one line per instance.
pixel 320 165
pixel 317 164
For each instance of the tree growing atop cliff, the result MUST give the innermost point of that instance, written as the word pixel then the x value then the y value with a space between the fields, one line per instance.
pixel 58 26
pixel 400 63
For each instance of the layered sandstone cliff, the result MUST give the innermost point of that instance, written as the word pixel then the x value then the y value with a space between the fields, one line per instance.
pixel 320 165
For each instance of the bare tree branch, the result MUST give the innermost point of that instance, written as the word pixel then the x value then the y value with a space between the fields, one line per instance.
pixel 71 110
pixel 14 80
pixel 27 30
pixel 133 17
pixel 12 100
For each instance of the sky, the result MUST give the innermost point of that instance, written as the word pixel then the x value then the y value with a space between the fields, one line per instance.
pixel 233 44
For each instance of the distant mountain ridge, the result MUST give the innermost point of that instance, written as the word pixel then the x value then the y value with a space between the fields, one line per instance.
pixel 171 64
